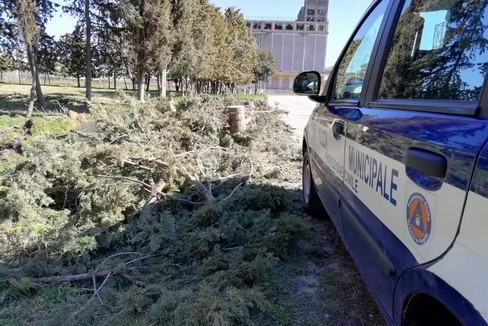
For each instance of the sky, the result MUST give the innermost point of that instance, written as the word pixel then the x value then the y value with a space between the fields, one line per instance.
pixel 343 17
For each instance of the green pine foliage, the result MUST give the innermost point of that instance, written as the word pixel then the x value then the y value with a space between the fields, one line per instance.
pixel 73 202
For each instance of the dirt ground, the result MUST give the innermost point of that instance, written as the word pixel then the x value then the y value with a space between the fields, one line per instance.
pixel 322 283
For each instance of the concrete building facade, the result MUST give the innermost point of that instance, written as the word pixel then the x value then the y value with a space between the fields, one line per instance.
pixel 296 46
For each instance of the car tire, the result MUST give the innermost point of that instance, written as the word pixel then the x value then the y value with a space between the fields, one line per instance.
pixel 311 200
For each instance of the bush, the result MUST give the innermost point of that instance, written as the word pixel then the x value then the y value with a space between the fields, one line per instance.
pixel 129 183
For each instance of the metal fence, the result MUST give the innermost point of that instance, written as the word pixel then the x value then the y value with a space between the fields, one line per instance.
pixel 24 77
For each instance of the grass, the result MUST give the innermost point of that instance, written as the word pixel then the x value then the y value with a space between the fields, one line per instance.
pixel 14 98
pixel 57 126
pixel 7 121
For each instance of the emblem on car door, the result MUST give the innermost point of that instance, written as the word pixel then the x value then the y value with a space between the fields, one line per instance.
pixel 419 218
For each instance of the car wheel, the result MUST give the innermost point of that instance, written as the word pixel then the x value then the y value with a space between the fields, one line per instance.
pixel 311 201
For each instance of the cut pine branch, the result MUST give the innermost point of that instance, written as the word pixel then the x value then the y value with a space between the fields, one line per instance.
pixel 37 281
pixel 204 191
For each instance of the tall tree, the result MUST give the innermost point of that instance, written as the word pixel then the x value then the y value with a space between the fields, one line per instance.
pixel 160 39
pixel 5 64
pixel 87 11
pixel 204 46
pixel 264 67
pixel 222 71
pixel 182 48
pixel 26 12
pixel 30 18
pixel 243 45
pixel 47 55
pixel 88 49
pixel 71 49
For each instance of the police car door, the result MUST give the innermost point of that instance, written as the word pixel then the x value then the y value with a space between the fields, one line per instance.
pixel 328 122
pixel 411 149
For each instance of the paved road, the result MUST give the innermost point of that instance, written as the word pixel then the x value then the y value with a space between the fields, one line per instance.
pixel 299 109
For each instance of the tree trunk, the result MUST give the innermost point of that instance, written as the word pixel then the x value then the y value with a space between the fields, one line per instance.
pixel 30 109
pixel 109 83
pixel 128 72
pixel 140 43
pixel 140 85
pixel 163 83
pixel 31 57
pixel 158 81
pixel 115 80
pixel 186 85
pixel 35 81
pixel 78 79
pixel 88 80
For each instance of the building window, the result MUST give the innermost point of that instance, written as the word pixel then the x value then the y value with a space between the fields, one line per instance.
pixel 256 26
pixel 321 12
pixel 289 27
pixel 310 19
pixel 310 12
pixel 310 27
pixel 321 28
pixel 248 25
pixel 300 27
pixel 321 19
pixel 268 26
pixel 278 26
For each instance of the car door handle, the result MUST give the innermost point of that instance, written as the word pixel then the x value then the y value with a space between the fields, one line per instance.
pixel 427 162
pixel 337 128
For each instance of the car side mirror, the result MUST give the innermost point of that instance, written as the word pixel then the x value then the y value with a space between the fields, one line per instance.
pixel 307 83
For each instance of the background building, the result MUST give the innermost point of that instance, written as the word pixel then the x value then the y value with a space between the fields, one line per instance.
pixel 297 45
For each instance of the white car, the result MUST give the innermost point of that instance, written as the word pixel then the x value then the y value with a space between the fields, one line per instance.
pixel 398 159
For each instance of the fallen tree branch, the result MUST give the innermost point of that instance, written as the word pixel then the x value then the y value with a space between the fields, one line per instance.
pixel 138 165
pixel 156 188
pixel 133 280
pixel 204 191
pixel 185 200
pixel 63 278
pixel 117 138
pixel 145 185
pixel 129 253
pixel 94 279
pixel 233 191
pixel 83 276
pixel 94 294
pixel 202 151
pixel 62 109
pixel 184 173
pixel 85 135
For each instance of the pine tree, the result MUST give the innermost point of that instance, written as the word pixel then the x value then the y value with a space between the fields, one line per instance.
pixel 26 12
pixel 72 53
pixel 243 45
pixel 47 55
pixel 29 17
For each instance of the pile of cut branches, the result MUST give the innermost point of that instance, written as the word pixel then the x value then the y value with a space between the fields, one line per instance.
pixel 146 214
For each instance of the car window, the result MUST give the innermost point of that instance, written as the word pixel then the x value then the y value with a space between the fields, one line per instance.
pixel 439 51
pixel 352 68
